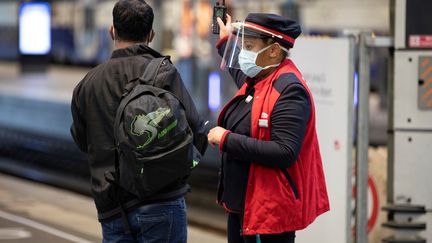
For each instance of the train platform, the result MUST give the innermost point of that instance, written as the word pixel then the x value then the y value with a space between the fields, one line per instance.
pixel 38 102
pixel 56 84
pixel 33 212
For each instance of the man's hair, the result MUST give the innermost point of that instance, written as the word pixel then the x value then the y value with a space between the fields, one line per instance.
pixel 132 20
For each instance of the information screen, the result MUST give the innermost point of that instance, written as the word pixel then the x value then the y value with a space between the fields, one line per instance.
pixel 35 28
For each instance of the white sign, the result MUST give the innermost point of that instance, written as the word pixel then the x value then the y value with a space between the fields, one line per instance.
pixel 328 67
pixel 35 28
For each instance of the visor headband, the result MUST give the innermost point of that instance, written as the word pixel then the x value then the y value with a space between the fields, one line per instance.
pixel 270 31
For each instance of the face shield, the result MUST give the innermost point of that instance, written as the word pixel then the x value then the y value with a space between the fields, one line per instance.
pixel 246 37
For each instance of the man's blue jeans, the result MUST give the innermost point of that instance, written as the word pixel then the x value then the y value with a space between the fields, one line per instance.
pixel 160 222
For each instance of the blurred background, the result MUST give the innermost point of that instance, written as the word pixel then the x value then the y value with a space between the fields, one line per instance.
pixel 79 36
pixel 80 40
pixel 40 66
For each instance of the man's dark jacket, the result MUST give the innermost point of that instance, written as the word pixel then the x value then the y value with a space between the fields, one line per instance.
pixel 94 105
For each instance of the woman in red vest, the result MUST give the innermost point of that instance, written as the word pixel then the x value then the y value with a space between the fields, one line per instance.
pixel 272 182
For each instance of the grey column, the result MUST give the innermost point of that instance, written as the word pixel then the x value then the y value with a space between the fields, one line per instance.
pixel 362 140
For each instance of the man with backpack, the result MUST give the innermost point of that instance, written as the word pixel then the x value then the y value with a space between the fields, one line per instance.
pixel 143 135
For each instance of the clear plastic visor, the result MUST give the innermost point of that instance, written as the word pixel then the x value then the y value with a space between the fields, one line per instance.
pixel 245 37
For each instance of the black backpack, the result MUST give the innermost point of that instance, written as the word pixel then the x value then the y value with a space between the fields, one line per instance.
pixel 154 143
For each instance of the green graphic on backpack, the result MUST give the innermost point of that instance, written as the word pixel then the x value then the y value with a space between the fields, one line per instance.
pixel 149 124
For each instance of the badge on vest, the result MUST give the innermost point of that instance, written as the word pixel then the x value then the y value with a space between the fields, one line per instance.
pixel 248 99
pixel 263 122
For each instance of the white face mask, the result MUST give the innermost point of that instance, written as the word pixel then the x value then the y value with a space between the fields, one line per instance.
pixel 247 62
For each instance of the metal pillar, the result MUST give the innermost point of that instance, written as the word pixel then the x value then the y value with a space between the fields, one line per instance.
pixel 367 41
pixel 362 141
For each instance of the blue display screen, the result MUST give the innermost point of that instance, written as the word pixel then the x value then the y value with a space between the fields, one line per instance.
pixel 35 28
pixel 214 91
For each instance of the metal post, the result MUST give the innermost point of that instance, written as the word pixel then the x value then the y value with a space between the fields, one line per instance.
pixel 362 141
pixel 390 102
pixel 391 133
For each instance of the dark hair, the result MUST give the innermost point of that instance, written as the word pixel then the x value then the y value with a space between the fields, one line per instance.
pixel 133 20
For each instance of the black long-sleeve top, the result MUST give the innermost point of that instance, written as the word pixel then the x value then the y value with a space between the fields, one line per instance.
pixel 94 106
pixel 287 129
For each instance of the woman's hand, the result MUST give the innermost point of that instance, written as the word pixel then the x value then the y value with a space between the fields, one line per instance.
pixel 224 29
pixel 215 135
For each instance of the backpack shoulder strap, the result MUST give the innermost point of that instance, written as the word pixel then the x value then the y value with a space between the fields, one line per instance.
pixel 152 70
pixel 149 76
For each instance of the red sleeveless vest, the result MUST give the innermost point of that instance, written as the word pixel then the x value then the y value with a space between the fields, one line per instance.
pixel 270 204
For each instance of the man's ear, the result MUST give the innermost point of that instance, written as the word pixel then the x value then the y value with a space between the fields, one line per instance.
pixel 152 36
pixel 111 32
